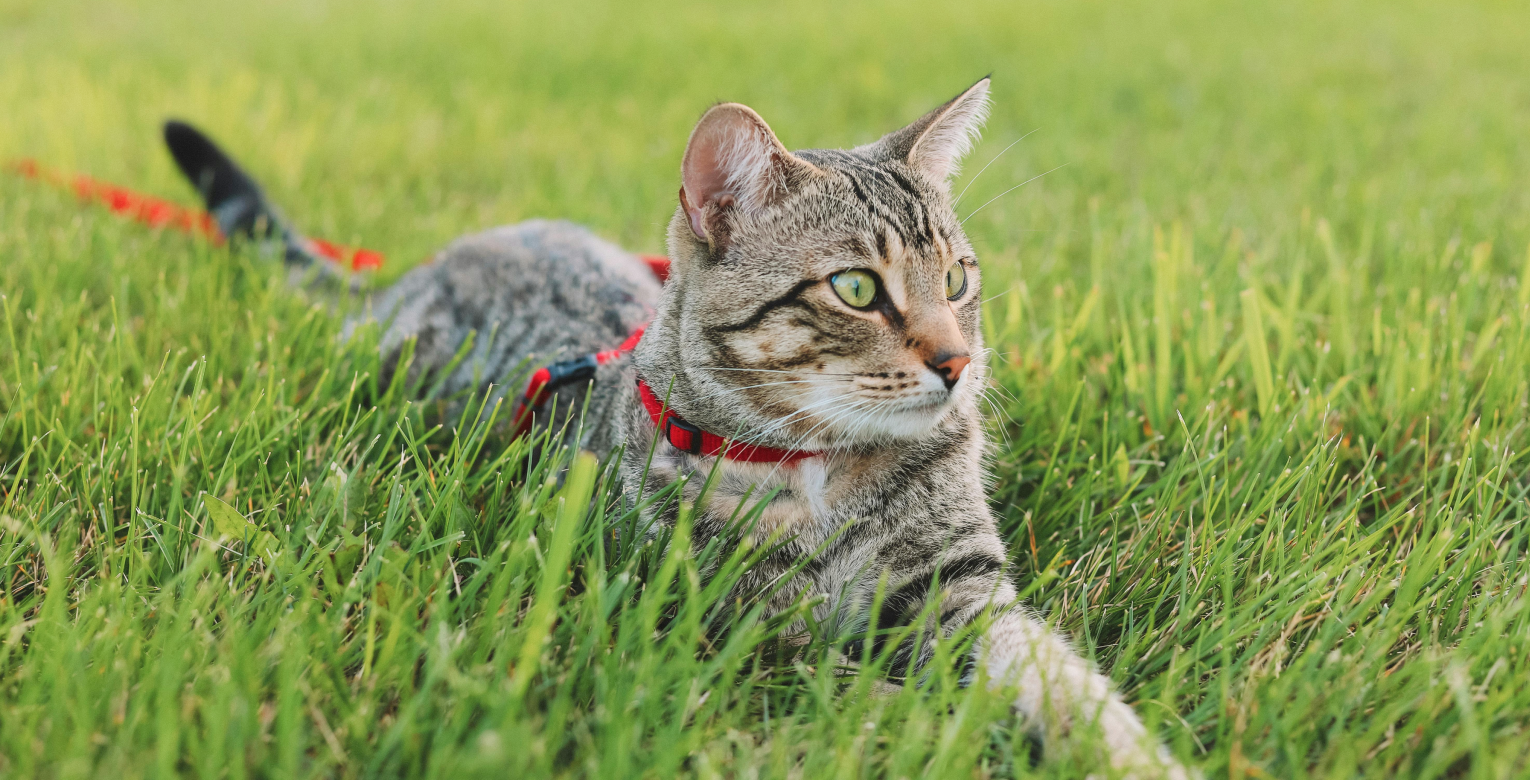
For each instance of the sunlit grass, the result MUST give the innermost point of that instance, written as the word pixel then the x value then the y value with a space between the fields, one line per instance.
pixel 1261 392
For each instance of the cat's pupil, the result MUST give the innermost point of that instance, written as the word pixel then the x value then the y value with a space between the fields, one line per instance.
pixel 956 281
pixel 855 287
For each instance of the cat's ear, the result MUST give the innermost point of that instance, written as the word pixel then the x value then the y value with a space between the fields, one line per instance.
pixel 733 162
pixel 936 142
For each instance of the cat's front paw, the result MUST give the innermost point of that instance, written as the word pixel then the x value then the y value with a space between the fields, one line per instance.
pixel 1173 770
pixel 1149 765
pixel 1136 755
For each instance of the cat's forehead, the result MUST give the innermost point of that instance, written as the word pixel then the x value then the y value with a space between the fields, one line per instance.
pixel 882 205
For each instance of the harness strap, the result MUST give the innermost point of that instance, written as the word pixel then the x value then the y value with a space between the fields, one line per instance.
pixel 555 375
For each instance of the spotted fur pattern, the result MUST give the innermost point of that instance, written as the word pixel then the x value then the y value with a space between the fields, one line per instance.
pixel 750 340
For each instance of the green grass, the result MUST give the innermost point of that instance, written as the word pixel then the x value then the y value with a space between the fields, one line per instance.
pixel 1264 346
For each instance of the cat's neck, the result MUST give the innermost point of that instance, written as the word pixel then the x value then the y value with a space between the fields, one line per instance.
pixel 813 497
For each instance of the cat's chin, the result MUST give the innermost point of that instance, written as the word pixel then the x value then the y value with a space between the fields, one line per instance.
pixel 905 423
pixel 879 428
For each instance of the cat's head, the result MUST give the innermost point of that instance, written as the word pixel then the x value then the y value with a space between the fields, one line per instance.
pixel 823 298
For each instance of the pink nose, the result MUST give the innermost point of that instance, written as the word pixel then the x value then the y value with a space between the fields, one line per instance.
pixel 951 368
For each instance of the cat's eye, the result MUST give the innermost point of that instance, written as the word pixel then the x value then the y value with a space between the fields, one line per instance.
pixel 956 280
pixel 858 288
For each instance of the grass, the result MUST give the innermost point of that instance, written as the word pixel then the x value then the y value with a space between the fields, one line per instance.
pixel 1263 396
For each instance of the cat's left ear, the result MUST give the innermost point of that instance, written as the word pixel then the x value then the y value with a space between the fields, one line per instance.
pixel 936 142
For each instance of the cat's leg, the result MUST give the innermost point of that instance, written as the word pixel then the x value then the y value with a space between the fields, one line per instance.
pixel 1060 692
pixel 1057 692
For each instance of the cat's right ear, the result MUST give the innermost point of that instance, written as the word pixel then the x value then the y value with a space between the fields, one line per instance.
pixel 733 163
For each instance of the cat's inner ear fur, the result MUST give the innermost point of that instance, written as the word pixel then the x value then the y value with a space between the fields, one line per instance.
pixel 936 142
pixel 733 163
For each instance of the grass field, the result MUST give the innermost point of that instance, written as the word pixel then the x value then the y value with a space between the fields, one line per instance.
pixel 1263 403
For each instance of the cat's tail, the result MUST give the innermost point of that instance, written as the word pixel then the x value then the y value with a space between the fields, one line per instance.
pixel 243 213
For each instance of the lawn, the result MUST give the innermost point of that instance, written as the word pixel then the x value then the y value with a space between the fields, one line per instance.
pixel 1261 404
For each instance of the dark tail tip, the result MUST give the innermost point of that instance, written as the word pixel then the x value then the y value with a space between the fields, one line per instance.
pixel 233 198
pixel 230 194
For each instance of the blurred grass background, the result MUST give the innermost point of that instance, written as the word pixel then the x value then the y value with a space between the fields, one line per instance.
pixel 1262 401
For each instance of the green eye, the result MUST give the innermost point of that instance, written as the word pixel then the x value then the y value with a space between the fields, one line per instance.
pixel 858 288
pixel 956 280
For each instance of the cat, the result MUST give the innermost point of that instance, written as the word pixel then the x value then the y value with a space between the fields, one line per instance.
pixel 823 312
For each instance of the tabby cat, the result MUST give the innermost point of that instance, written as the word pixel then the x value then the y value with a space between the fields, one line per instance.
pixel 823 309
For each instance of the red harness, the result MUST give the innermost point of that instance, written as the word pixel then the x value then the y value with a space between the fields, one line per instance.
pixel 680 434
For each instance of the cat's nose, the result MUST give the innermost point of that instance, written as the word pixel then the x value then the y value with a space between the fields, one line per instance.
pixel 950 367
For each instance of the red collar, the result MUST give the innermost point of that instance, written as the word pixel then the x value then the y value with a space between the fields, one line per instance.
pixel 686 437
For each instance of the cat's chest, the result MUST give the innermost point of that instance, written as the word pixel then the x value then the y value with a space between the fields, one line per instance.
pixel 810 500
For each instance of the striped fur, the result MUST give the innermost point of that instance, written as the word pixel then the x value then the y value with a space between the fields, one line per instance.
pixel 750 340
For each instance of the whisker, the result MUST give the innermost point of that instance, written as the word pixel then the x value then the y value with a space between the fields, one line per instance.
pixel 825 414
pixel 878 419
pixel 1008 191
pixel 855 403
pixel 998 411
pixel 775 371
pixel 827 420
pixel 772 426
pixel 849 411
pixel 854 408
pixel 979 174
pixel 1006 394
pixel 1000 295
pixel 852 402
pixel 727 390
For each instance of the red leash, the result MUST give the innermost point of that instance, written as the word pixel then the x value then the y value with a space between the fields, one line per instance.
pixel 142 208
pixel 160 213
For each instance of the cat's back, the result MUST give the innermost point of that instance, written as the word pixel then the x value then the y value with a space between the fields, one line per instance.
pixel 532 292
